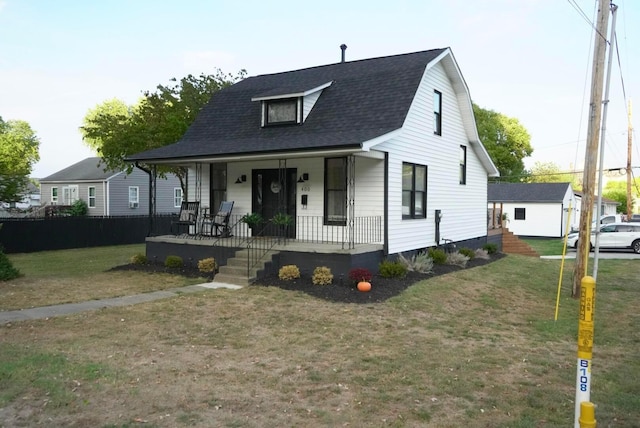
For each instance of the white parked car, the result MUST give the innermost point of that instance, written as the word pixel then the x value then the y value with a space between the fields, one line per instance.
pixel 613 235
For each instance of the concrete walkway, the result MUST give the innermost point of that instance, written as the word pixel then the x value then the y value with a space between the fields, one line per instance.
pixel 72 308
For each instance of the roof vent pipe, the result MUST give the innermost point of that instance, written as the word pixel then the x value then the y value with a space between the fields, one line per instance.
pixel 344 48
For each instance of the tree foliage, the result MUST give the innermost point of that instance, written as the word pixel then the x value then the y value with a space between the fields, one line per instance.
pixel 549 172
pixel 19 150
pixel 160 118
pixel 617 191
pixel 506 140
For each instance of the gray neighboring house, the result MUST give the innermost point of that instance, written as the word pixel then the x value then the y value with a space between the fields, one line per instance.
pixel 108 192
pixel 535 209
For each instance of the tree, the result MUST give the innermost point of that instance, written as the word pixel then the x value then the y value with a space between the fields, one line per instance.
pixel 160 118
pixel 19 147
pixel 549 172
pixel 617 191
pixel 506 140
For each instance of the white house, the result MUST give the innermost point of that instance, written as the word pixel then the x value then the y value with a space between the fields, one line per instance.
pixel 535 209
pixel 381 151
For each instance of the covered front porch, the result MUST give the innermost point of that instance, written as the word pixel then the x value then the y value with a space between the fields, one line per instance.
pixel 251 252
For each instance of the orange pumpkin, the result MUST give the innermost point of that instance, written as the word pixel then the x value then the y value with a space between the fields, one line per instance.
pixel 364 286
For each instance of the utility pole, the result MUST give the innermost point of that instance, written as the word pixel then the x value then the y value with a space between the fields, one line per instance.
pixel 591 153
pixel 629 139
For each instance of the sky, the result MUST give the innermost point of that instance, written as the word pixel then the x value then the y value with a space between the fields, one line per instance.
pixel 527 59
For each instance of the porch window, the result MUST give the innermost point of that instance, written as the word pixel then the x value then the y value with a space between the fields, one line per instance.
pixel 437 113
pixel 520 214
pixel 414 191
pixel 69 194
pixel 177 197
pixel 92 197
pixel 335 191
pixel 463 165
pixel 134 192
pixel 218 185
pixel 54 196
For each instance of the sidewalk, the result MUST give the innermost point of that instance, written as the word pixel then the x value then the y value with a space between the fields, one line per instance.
pixel 72 308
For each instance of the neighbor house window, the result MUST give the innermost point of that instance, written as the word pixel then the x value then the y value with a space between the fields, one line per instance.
pixel 519 214
pixel 335 191
pixel 282 112
pixel 177 197
pixel 463 165
pixel 134 192
pixel 54 196
pixel 414 190
pixel 92 197
pixel 437 113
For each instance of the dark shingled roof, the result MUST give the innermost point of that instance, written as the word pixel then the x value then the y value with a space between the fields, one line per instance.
pixel 527 192
pixel 366 99
pixel 90 169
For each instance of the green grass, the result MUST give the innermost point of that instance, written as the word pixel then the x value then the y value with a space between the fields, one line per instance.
pixel 75 262
pixel 546 246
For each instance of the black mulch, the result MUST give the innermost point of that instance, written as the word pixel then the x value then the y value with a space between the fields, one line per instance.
pixel 341 290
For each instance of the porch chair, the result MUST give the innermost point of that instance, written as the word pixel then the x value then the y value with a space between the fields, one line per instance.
pixel 188 217
pixel 220 223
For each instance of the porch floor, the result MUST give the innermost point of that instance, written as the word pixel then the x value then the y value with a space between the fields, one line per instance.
pixel 286 245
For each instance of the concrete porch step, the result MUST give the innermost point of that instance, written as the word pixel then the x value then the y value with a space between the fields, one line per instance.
pixel 235 271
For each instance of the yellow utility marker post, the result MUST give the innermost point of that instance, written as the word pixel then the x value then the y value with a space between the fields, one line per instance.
pixel 585 351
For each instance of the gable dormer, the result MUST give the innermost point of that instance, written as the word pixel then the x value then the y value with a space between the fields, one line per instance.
pixel 287 106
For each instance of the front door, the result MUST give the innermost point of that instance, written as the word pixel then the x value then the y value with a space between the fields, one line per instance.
pixel 274 191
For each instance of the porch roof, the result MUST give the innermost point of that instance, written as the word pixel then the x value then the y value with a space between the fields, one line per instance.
pixel 367 98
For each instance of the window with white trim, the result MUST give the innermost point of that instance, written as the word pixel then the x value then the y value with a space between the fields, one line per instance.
pixel 177 197
pixel 92 196
pixel 54 196
pixel 414 191
pixel 282 112
pixel 134 196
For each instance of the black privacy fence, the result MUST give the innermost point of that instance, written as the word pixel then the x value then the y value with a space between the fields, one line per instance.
pixel 27 235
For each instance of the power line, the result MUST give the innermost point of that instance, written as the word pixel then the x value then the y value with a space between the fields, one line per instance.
pixel 586 18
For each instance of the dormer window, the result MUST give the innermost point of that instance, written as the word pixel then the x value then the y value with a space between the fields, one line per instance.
pixel 282 112
pixel 288 105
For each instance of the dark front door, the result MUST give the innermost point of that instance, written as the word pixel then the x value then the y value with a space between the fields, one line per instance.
pixel 274 191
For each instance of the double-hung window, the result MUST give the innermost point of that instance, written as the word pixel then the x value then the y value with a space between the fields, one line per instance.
pixel 335 191
pixel 92 196
pixel 134 196
pixel 177 197
pixel 463 164
pixel 437 113
pixel 54 196
pixel 414 191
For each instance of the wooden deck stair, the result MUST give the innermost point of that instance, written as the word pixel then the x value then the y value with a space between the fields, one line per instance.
pixel 511 244
pixel 235 271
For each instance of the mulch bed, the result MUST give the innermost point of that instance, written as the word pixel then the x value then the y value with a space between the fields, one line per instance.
pixel 340 291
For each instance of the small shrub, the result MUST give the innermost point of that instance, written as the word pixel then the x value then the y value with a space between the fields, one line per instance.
pixel 173 262
pixel 78 208
pixel 289 272
pixel 420 262
pixel 7 271
pixel 207 265
pixel 467 252
pixel 139 259
pixel 389 269
pixel 457 259
pixel 438 256
pixel 482 254
pixel 322 276
pixel 360 274
pixel 490 248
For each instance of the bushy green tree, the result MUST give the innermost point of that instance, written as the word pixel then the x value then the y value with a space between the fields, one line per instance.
pixel 19 150
pixel 506 140
pixel 549 172
pixel 116 130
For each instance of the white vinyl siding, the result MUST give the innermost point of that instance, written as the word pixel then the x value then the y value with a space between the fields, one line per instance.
pixel 463 207
pixel 308 102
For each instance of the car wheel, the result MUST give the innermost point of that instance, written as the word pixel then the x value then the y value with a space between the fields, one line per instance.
pixel 636 246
